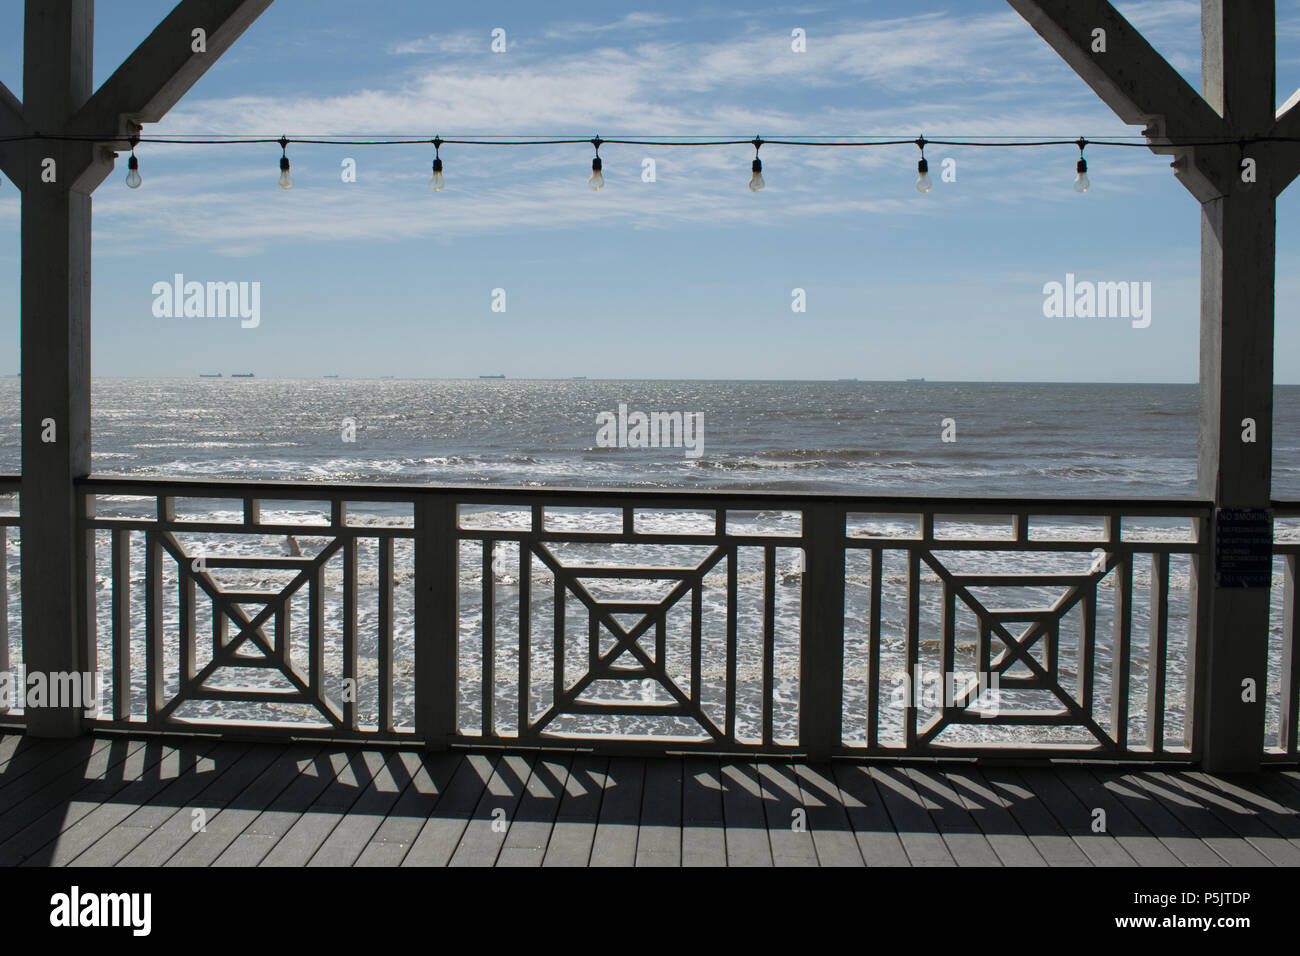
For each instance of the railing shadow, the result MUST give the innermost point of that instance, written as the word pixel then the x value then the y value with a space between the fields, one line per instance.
pixel 109 800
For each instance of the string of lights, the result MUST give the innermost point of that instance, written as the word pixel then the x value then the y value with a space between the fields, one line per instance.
pixel 437 181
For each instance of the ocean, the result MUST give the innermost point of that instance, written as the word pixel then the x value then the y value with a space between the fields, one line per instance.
pixel 854 437
pixel 1087 440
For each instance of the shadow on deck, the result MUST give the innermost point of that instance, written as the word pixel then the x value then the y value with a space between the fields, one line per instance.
pixel 119 801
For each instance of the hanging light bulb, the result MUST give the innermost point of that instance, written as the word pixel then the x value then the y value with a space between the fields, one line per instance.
pixel 597 179
pixel 286 179
pixel 756 183
pixel 436 182
pixel 1081 180
pixel 133 179
pixel 923 181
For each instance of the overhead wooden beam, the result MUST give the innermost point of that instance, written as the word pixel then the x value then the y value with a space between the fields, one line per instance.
pixel 164 67
pixel 1135 81
pixel 1286 164
pixel 11 114
pixel 12 124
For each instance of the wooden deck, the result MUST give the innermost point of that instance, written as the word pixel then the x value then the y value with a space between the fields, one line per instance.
pixel 118 801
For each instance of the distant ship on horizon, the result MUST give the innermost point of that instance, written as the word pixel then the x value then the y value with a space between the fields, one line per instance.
pixel 916 380
pixel 209 375
pixel 491 376
pixel 241 374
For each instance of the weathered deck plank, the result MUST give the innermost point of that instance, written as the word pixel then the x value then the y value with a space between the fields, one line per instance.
pixel 485 833
pixel 922 841
pixel 137 789
pixel 384 785
pixel 1212 831
pixel 1036 820
pixel 316 824
pixel 963 837
pixel 878 840
pixel 530 831
pixel 614 843
pixel 743 817
pixel 270 826
pixel 47 808
pixel 1168 829
pixel 229 820
pixel 575 823
pixel 427 779
pixel 704 838
pixel 441 832
pixel 160 845
pixel 1100 846
pixel 659 842
pixel 827 818
pixel 990 811
pixel 157 814
pixel 1140 843
pixel 786 816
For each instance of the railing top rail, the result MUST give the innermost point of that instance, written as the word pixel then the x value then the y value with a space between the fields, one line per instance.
pixel 1285 508
pixel 671 498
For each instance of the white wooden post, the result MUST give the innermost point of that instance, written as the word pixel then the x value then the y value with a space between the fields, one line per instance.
pixel 1237 273
pixel 56 177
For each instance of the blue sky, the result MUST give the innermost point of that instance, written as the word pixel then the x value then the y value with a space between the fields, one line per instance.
pixel 689 276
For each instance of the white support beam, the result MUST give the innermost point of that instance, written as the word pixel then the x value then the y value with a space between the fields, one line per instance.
pixel 157 74
pixel 164 67
pixel 1287 157
pixel 1135 81
pixel 12 123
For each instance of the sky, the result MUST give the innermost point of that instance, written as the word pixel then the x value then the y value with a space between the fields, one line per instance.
pixel 689 276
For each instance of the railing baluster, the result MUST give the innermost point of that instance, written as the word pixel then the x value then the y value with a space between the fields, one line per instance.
pixel 120 572
pixel 4 607
pixel 1087 650
pixel 732 588
pixel 350 690
pixel 187 621
pixel 525 634
pixel 873 651
pixel 316 631
pixel 489 648
pixel 948 650
pixel 87 607
pixel 557 641
pixel 697 613
pixel 220 631
pixel 769 637
pixel 1121 650
pixel 1156 652
pixel 153 631
pixel 912 645
pixel 385 637
pixel 1289 719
